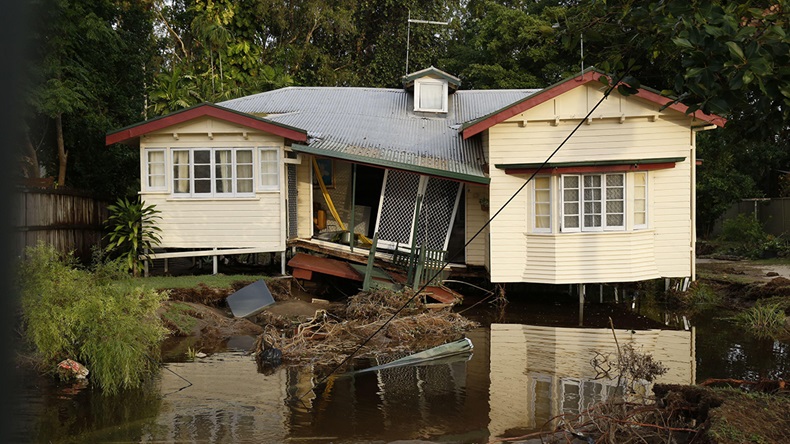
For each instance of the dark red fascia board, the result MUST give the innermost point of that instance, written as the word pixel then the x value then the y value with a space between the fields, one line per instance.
pixel 570 84
pixel 142 128
pixel 594 169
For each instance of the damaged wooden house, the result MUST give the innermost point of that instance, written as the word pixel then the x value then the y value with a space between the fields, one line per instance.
pixel 425 166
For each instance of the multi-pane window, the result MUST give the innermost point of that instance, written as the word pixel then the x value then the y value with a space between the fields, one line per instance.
pixel 615 201
pixel 542 206
pixel 207 172
pixel 269 169
pixel 640 200
pixel 155 170
pixel 593 202
pixel 571 193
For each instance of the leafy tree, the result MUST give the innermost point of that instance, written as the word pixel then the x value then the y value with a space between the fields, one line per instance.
pixel 725 57
pixel 87 74
pixel 510 45
pixel 719 180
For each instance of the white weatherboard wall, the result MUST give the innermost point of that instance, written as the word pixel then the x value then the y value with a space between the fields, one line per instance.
pixel 622 128
pixel 476 217
pixel 247 222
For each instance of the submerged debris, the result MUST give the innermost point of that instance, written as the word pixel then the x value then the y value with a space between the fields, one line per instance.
pixel 677 414
pixel 69 369
pixel 329 337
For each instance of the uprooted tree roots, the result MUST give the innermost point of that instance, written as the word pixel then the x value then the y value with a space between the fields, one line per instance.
pixel 330 337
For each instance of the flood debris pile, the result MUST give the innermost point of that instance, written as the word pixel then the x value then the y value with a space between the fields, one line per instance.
pixel 677 414
pixel 333 333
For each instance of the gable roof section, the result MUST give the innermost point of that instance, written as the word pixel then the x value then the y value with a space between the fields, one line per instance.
pixel 452 81
pixel 124 135
pixel 481 124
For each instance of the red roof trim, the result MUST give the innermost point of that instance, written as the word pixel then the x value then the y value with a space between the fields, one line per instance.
pixel 531 102
pixel 677 106
pixel 594 169
pixel 208 110
pixel 573 82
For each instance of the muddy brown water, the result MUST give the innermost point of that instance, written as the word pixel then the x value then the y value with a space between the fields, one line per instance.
pixel 531 362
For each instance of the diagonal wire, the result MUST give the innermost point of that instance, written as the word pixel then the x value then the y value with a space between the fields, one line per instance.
pixel 606 93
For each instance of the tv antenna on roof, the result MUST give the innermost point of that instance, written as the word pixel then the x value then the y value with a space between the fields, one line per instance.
pixel 408 33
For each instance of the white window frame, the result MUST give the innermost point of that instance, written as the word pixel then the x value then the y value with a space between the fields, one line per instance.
pixel 582 200
pixel 212 165
pixel 563 213
pixel 645 198
pixel 418 94
pixel 604 214
pixel 278 168
pixel 148 172
pixel 535 189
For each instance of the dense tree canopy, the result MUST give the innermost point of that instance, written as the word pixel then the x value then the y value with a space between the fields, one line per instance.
pixel 104 64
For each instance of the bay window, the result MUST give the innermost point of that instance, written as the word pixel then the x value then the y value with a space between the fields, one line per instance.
pixel 593 202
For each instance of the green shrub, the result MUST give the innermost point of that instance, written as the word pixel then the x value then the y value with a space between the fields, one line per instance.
pixel 133 231
pixel 69 313
pixel 744 236
pixel 743 228
pixel 701 294
pixel 763 320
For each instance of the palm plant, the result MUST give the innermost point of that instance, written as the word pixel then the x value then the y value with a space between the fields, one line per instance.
pixel 132 232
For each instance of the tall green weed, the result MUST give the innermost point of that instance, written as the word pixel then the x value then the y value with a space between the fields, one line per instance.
pixel 69 312
pixel 764 320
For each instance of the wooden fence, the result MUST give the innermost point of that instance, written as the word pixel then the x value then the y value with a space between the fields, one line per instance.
pixel 773 214
pixel 68 220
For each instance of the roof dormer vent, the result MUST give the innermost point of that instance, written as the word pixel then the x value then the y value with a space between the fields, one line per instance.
pixel 431 88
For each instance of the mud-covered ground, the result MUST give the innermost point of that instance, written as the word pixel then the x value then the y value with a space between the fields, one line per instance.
pixel 744 282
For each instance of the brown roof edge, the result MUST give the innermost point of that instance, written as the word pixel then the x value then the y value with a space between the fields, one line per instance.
pixel 124 135
pixel 589 75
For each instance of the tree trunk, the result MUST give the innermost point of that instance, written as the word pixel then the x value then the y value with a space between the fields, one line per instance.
pixel 62 154
pixel 32 162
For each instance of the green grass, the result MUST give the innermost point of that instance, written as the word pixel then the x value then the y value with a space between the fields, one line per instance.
pixel 167 282
pixel 180 316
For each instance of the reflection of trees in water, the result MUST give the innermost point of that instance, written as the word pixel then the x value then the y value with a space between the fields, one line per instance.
pixel 52 412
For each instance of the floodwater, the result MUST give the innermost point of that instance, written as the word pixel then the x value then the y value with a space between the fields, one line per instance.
pixel 531 362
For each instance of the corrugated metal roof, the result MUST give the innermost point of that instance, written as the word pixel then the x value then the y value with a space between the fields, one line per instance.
pixel 378 126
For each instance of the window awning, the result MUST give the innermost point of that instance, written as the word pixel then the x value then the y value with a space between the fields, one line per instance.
pixel 594 166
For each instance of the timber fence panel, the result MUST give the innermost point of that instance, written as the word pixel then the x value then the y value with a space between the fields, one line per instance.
pixel 66 219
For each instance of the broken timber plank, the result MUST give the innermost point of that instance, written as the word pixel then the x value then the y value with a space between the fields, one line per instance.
pixel 307 263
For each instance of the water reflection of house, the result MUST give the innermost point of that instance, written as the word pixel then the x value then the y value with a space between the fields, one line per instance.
pixel 540 372
pixel 616 204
